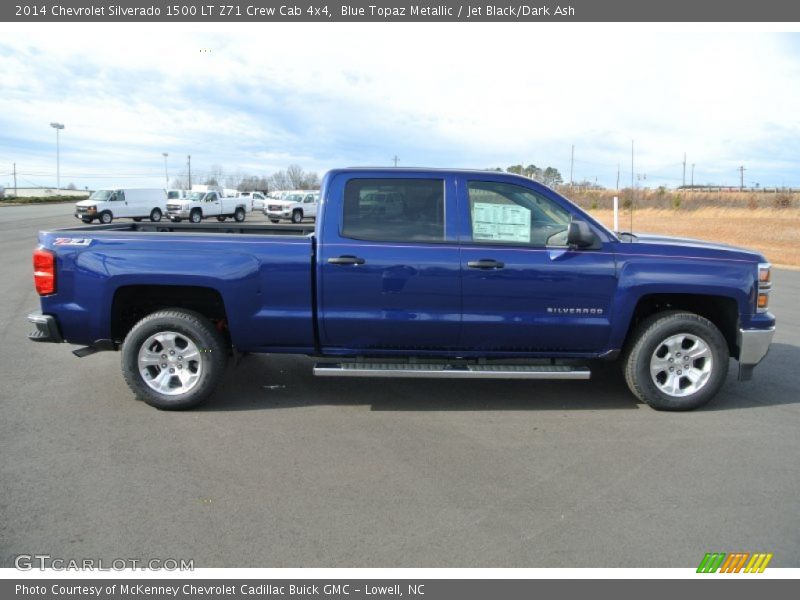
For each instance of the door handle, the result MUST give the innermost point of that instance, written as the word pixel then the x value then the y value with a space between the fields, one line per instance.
pixel 485 263
pixel 346 260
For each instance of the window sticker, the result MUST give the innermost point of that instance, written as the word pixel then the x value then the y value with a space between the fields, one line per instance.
pixel 501 222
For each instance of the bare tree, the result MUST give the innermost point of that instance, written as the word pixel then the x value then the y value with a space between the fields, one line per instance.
pixel 181 182
pixel 296 176
pixel 279 180
pixel 215 175
pixel 234 180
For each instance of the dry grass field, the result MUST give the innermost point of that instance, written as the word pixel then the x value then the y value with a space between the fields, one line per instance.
pixel 768 222
pixel 775 233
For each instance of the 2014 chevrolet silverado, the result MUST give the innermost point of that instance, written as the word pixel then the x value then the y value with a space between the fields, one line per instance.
pixel 409 273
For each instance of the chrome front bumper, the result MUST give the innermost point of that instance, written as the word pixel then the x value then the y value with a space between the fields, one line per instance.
pixel 753 347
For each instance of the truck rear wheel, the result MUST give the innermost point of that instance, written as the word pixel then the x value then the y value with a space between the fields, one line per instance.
pixel 676 361
pixel 239 215
pixel 221 218
pixel 173 359
pixel 196 216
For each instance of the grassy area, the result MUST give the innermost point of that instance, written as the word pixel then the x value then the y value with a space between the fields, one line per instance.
pixel 681 200
pixel 41 199
pixel 773 231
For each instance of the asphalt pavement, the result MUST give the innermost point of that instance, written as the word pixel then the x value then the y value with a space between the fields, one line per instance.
pixel 281 469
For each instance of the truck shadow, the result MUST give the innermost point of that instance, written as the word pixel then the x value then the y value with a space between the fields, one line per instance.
pixel 264 382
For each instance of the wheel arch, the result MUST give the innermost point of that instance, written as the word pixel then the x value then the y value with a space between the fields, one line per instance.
pixel 131 303
pixel 722 311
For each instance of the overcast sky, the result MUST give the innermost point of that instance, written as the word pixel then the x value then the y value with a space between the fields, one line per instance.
pixel 258 97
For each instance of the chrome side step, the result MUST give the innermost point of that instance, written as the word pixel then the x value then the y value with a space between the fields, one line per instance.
pixel 447 371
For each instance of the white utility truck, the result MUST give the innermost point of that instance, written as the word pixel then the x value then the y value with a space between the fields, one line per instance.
pixel 206 201
pixel 296 206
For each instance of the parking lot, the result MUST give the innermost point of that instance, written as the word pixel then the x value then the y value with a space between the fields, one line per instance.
pixel 281 469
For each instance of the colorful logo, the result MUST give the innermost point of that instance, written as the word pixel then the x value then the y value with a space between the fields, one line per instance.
pixel 714 562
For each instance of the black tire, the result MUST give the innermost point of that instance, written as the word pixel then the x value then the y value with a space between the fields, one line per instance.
pixel 175 219
pixel 87 221
pixel 221 218
pixel 239 215
pixel 196 215
pixel 647 344
pixel 137 219
pixel 106 217
pixel 155 215
pixel 297 216
pixel 275 220
pixel 189 325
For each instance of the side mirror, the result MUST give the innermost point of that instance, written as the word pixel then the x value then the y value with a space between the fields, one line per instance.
pixel 580 235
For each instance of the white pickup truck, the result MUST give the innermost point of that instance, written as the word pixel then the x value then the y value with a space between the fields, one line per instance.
pixel 201 204
pixel 296 206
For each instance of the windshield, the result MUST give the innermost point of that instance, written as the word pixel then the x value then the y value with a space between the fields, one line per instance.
pixel 294 198
pixel 196 196
pixel 101 195
pixel 173 195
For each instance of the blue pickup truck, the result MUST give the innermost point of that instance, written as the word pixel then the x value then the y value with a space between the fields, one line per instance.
pixel 409 273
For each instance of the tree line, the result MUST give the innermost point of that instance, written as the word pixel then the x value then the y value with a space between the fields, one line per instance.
pixel 548 176
pixel 292 178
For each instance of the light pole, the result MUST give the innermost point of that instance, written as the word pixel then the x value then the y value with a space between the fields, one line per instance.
pixel 58 127
pixel 166 174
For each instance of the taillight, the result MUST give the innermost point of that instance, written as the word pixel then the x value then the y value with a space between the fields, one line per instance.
pixel 44 272
pixel 764 287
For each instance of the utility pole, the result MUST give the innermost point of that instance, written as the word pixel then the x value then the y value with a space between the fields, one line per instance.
pixel 692 175
pixel 395 159
pixel 571 164
pixel 15 180
pixel 741 177
pixel 58 127
pixel 617 177
pixel 684 170
pixel 166 174
pixel 633 188
pixel 189 163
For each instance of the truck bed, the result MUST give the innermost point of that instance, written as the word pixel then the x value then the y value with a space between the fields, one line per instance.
pixel 260 273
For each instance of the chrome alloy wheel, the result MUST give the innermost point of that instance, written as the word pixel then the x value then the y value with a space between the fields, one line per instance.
pixel 681 365
pixel 170 363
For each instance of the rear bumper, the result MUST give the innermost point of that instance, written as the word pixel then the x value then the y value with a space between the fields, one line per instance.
pixel 45 328
pixel 753 347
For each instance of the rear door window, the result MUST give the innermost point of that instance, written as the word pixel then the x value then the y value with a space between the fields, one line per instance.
pixel 394 210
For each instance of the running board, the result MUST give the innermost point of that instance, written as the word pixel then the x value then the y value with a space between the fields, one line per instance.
pixel 446 371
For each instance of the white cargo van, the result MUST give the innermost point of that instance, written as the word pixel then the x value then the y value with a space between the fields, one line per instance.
pixel 108 204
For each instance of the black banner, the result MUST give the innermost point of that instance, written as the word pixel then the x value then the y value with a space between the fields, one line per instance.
pixel 732 588
pixel 398 11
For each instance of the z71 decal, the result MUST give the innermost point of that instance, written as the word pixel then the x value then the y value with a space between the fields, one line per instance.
pixel 72 242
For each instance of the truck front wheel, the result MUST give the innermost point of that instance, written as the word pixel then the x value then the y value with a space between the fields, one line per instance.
pixel 297 216
pixel 196 216
pixel 676 361
pixel 173 359
pixel 106 217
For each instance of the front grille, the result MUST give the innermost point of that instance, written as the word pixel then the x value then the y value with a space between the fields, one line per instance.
pixel 173 207
pixel 276 207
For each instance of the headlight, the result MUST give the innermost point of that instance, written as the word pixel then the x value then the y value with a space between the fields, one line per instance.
pixel 91 209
